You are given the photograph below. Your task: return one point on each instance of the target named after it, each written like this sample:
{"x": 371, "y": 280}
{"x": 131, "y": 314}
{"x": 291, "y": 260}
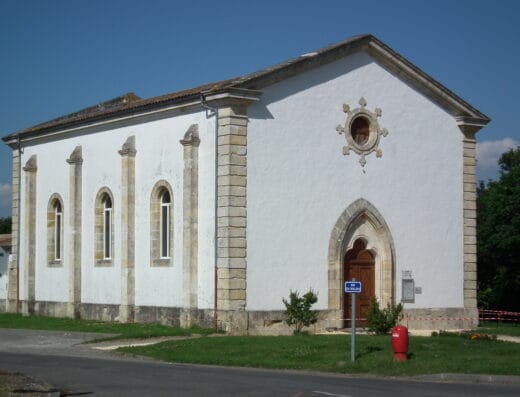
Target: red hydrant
{"x": 400, "y": 342}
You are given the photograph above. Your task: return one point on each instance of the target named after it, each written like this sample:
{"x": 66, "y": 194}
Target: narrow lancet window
{"x": 161, "y": 224}
{"x": 165, "y": 224}
{"x": 107, "y": 227}
{"x": 58, "y": 215}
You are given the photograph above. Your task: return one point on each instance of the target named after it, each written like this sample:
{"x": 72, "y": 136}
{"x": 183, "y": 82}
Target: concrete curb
{"x": 470, "y": 378}
{"x": 116, "y": 344}
{"x": 507, "y": 338}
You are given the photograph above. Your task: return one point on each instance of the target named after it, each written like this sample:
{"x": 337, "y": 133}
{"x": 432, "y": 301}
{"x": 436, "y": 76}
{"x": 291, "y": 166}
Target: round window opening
{"x": 360, "y": 130}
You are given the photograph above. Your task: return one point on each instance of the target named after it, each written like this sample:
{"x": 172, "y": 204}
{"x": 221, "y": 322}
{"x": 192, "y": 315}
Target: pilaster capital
{"x": 128, "y": 148}
{"x": 237, "y": 99}
{"x": 191, "y": 137}
{"x": 31, "y": 164}
{"x": 470, "y": 126}
{"x": 76, "y": 157}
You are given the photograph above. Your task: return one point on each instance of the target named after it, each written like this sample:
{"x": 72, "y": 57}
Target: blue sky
{"x": 60, "y": 56}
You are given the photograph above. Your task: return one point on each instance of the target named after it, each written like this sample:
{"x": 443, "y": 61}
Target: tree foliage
{"x": 5, "y": 225}
{"x": 498, "y": 236}
{"x": 298, "y": 310}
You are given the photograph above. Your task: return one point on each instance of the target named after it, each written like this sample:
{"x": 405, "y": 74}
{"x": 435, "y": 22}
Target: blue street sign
{"x": 352, "y": 287}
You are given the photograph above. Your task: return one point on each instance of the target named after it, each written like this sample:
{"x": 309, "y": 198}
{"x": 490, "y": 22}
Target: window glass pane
{"x": 57, "y": 242}
{"x": 107, "y": 201}
{"x": 107, "y": 234}
{"x": 164, "y": 231}
{"x": 166, "y": 197}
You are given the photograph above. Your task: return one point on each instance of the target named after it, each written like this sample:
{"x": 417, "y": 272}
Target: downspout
{"x": 214, "y": 112}
{"x": 18, "y": 220}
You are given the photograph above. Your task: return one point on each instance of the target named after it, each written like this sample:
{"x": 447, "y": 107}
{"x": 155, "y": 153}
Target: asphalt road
{"x": 79, "y": 370}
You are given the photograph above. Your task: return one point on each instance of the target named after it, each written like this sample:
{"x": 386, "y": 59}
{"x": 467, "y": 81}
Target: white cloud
{"x": 5, "y": 199}
{"x": 488, "y": 152}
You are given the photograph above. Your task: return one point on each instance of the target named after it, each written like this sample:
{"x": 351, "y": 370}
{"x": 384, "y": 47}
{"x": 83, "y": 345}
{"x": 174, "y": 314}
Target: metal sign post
{"x": 353, "y": 341}
{"x": 353, "y": 287}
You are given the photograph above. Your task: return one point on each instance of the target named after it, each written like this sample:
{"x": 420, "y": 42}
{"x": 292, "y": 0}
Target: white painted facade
{"x": 284, "y": 186}
{"x": 4, "y": 262}
{"x": 299, "y": 183}
{"x": 159, "y": 157}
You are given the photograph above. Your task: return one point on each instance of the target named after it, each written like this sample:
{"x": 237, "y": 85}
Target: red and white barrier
{"x": 484, "y": 315}
{"x": 499, "y": 315}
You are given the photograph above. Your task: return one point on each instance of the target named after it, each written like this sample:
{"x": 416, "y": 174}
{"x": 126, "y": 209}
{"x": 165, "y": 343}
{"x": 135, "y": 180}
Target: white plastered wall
{"x": 51, "y": 283}
{"x": 299, "y": 183}
{"x": 4, "y": 262}
{"x": 159, "y": 156}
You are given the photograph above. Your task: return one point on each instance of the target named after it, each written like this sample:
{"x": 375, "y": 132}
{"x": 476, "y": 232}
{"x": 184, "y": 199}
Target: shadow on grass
{"x": 367, "y": 350}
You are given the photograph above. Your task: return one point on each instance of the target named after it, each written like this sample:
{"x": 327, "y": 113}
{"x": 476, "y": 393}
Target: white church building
{"x": 207, "y": 206}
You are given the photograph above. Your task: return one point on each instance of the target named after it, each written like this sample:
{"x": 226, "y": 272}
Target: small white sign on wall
{"x": 408, "y": 294}
{"x": 408, "y": 287}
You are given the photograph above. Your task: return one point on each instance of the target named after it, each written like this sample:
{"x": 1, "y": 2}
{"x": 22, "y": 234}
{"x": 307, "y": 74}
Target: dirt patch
{"x": 17, "y": 384}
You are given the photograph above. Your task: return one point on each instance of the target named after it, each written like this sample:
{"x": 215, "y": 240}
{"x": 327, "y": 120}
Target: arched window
{"x": 104, "y": 228}
{"x": 55, "y": 231}
{"x": 161, "y": 225}
{"x": 107, "y": 227}
{"x": 165, "y": 224}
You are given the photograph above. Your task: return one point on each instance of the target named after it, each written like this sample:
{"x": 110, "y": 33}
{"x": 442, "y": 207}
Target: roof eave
{"x": 12, "y": 139}
{"x": 396, "y": 63}
{"x": 227, "y": 95}
{"x": 424, "y": 83}
{"x": 247, "y": 86}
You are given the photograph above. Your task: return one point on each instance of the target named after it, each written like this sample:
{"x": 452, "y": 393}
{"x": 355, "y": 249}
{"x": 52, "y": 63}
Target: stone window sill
{"x": 162, "y": 262}
{"x": 55, "y": 263}
{"x": 104, "y": 263}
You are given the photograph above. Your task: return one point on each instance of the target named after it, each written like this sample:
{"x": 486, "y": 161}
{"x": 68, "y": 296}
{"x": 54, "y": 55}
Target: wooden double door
{"x": 359, "y": 264}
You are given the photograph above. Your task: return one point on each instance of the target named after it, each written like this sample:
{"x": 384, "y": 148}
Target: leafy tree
{"x": 298, "y": 310}
{"x": 5, "y": 225}
{"x": 498, "y": 236}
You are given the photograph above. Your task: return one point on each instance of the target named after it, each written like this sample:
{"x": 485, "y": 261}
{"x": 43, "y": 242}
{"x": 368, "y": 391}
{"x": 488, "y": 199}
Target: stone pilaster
{"x": 30, "y": 235}
{"x": 75, "y": 198}
{"x": 12, "y": 281}
{"x": 470, "y": 219}
{"x": 469, "y": 128}
{"x": 231, "y": 218}
{"x": 126, "y": 308}
{"x": 190, "y": 201}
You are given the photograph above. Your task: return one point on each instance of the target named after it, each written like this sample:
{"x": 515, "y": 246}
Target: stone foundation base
{"x": 440, "y": 319}
{"x": 173, "y": 316}
{"x": 249, "y": 322}
{"x": 272, "y": 322}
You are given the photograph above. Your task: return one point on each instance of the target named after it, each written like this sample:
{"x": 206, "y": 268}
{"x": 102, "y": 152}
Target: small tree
{"x": 298, "y": 310}
{"x": 5, "y": 225}
{"x": 382, "y": 321}
{"x": 498, "y": 236}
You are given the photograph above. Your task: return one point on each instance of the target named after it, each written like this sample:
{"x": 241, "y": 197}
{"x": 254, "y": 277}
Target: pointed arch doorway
{"x": 360, "y": 221}
{"x": 359, "y": 264}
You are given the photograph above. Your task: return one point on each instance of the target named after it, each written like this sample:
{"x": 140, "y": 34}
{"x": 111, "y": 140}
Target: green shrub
{"x": 381, "y": 321}
{"x": 298, "y": 311}
{"x": 485, "y": 298}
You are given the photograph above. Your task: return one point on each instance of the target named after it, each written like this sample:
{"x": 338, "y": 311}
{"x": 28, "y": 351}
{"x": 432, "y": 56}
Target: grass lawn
{"x": 495, "y": 328}
{"x": 123, "y": 331}
{"x": 442, "y": 354}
